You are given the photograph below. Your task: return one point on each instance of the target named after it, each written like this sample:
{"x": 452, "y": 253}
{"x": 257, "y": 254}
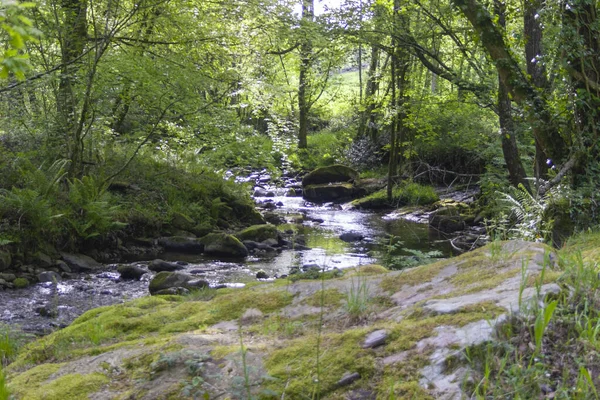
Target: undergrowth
{"x": 548, "y": 350}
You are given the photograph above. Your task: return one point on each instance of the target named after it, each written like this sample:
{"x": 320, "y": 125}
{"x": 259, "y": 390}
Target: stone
{"x": 251, "y": 315}
{"x": 259, "y": 193}
{"x": 80, "y": 262}
{"x": 330, "y": 174}
{"x": 5, "y": 260}
{"x": 258, "y": 233}
{"x": 447, "y": 220}
{"x": 350, "y": 237}
{"x": 49, "y": 276}
{"x": 274, "y": 219}
{"x": 174, "y": 281}
{"x": 7, "y": 277}
{"x": 270, "y": 242}
{"x": 159, "y": 265}
{"x": 182, "y": 244}
{"x": 131, "y": 272}
{"x": 47, "y": 311}
{"x": 374, "y": 339}
{"x": 348, "y": 378}
{"x": 262, "y": 275}
{"x": 43, "y": 260}
{"x": 223, "y": 245}
{"x": 61, "y": 265}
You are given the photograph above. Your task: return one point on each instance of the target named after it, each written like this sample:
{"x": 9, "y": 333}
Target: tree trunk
{"x": 303, "y": 78}
{"x": 74, "y": 37}
{"x": 532, "y": 28}
{"x": 516, "y": 172}
{"x": 519, "y": 86}
{"x": 367, "y": 118}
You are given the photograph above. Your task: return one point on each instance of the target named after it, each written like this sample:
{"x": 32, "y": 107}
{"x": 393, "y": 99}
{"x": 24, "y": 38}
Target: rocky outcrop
{"x": 419, "y": 321}
{"x": 172, "y": 282}
{"x": 223, "y": 245}
{"x": 450, "y": 217}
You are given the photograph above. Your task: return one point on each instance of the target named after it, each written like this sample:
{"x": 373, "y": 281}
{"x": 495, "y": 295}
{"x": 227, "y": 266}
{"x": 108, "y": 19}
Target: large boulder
{"x": 258, "y": 233}
{"x": 223, "y": 245}
{"x": 164, "y": 282}
{"x": 333, "y": 192}
{"x": 182, "y": 244}
{"x": 330, "y": 174}
{"x": 80, "y": 262}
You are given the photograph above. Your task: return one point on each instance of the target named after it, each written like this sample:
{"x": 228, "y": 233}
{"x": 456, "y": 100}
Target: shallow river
{"x": 70, "y": 298}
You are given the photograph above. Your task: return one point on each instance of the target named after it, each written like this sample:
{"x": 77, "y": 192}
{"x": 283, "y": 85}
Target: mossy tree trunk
{"x": 308, "y": 14}
{"x": 73, "y": 40}
{"x": 516, "y": 172}
{"x": 520, "y": 87}
{"x": 532, "y": 28}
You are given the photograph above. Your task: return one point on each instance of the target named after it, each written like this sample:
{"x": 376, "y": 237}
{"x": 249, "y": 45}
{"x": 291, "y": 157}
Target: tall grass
{"x": 549, "y": 349}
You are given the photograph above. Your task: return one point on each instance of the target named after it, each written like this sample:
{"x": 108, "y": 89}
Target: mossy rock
{"x": 258, "y": 233}
{"x": 335, "y": 192}
{"x": 330, "y": 174}
{"x": 174, "y": 280}
{"x": 223, "y": 245}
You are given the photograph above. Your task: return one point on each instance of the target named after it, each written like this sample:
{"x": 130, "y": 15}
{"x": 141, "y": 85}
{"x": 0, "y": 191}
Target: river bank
{"x": 313, "y": 233}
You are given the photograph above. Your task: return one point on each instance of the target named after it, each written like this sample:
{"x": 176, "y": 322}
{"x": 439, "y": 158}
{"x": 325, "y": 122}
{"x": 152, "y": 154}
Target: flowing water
{"x": 320, "y": 232}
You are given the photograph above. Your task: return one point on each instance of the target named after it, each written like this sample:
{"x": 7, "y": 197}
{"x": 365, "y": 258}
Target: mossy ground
{"x": 304, "y": 354}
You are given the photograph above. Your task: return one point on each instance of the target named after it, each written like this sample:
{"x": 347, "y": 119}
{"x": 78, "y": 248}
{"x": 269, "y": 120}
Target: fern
{"x": 528, "y": 212}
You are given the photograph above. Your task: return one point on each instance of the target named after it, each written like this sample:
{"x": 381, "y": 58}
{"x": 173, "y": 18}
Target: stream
{"x": 43, "y": 307}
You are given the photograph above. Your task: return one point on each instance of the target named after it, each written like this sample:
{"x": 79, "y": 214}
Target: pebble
{"x": 374, "y": 339}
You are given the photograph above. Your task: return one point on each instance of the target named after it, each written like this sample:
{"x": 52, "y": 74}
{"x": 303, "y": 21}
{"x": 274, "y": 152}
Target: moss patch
{"x": 327, "y": 298}
{"x": 413, "y": 276}
{"x": 370, "y": 269}
{"x": 72, "y": 386}
{"x": 295, "y": 365}
{"x": 135, "y": 321}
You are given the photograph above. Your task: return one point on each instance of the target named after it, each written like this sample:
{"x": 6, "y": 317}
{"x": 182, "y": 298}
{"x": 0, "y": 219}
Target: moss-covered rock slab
{"x": 331, "y": 174}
